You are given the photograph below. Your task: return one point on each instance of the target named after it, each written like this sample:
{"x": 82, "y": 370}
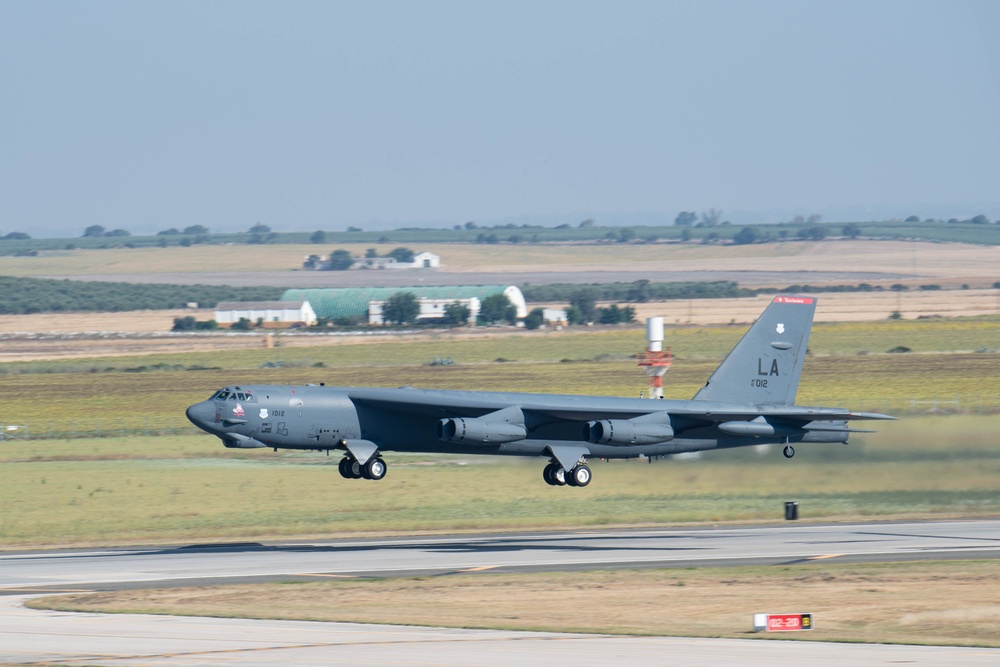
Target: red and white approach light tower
{"x": 655, "y": 359}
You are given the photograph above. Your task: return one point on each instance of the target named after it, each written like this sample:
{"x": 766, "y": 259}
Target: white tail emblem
{"x": 781, "y": 328}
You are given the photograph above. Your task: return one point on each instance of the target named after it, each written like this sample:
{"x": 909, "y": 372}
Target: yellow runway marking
{"x": 479, "y": 569}
{"x": 825, "y": 557}
{"x": 328, "y": 576}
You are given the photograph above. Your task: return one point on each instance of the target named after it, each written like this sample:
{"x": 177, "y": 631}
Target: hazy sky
{"x": 320, "y": 115}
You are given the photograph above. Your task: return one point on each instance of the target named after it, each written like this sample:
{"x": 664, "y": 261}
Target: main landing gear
{"x": 374, "y": 468}
{"x": 555, "y": 475}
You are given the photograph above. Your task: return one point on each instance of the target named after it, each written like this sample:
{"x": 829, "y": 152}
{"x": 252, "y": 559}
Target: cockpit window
{"x": 226, "y": 395}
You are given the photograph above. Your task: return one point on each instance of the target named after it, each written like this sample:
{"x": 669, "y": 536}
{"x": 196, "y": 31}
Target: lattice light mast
{"x": 655, "y": 359}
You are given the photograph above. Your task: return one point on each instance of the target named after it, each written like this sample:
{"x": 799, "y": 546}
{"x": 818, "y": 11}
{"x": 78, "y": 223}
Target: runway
{"x": 36, "y": 636}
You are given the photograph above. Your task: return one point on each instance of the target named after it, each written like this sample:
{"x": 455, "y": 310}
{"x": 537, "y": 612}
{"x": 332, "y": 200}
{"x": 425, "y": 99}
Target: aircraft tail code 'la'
{"x": 766, "y": 364}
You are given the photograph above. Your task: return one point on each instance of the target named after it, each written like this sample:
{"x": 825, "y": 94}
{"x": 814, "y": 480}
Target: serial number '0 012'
{"x": 758, "y": 382}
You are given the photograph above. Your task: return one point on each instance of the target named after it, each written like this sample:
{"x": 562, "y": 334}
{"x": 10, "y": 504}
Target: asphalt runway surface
{"x": 37, "y": 636}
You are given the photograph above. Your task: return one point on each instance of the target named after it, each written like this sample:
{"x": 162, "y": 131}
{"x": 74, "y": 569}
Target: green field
{"x": 176, "y": 489}
{"x": 122, "y": 485}
{"x": 846, "y": 367}
{"x": 520, "y": 236}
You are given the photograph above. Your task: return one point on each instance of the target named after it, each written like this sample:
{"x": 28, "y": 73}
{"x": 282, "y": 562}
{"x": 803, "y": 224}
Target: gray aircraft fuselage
{"x": 747, "y": 401}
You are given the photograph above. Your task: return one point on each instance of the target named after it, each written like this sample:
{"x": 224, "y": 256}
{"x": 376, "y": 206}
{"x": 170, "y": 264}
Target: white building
{"x": 430, "y": 309}
{"x": 553, "y": 316}
{"x": 425, "y": 260}
{"x": 272, "y": 313}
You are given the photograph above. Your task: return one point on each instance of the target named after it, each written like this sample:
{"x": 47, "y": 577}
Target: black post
{"x": 791, "y": 511}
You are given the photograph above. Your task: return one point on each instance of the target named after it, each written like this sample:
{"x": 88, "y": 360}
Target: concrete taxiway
{"x": 37, "y": 636}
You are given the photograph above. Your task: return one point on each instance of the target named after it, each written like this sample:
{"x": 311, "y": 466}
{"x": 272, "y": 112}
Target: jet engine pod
{"x": 473, "y": 431}
{"x": 626, "y": 432}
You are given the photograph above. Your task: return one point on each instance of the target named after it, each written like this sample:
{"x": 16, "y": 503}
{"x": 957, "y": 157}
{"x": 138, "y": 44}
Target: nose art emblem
{"x": 263, "y": 413}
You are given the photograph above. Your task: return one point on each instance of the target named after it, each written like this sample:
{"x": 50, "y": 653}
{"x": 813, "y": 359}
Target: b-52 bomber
{"x": 748, "y": 400}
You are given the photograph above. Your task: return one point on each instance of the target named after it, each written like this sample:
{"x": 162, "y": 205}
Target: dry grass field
{"x": 918, "y": 258}
{"x": 923, "y": 603}
{"x": 948, "y": 264}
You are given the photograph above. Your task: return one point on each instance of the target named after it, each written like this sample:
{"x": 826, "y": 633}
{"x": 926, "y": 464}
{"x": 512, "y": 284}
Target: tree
{"x": 586, "y": 224}
{"x": 173, "y": 231}
{"x": 196, "y": 229}
{"x": 371, "y": 253}
{"x": 639, "y": 291}
{"x": 745, "y": 236}
{"x": 260, "y": 228}
{"x": 340, "y": 260}
{"x": 585, "y": 300}
{"x": 117, "y": 232}
{"x": 686, "y": 218}
{"x": 402, "y": 255}
{"x": 817, "y": 233}
{"x": 711, "y": 217}
{"x": 243, "y": 324}
{"x": 615, "y": 315}
{"x": 497, "y": 308}
{"x": 626, "y": 235}
{"x": 535, "y": 319}
{"x": 17, "y": 236}
{"x": 319, "y": 236}
{"x": 686, "y": 234}
{"x": 456, "y": 313}
{"x": 93, "y": 230}
{"x": 471, "y": 225}
{"x": 980, "y": 220}
{"x": 814, "y": 219}
{"x": 851, "y": 230}
{"x": 401, "y": 307}
{"x": 183, "y": 323}
{"x": 912, "y": 218}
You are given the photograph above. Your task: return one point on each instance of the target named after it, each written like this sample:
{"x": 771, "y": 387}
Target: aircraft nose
{"x": 201, "y": 414}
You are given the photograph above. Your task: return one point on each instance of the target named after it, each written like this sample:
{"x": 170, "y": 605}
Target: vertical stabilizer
{"x": 765, "y": 365}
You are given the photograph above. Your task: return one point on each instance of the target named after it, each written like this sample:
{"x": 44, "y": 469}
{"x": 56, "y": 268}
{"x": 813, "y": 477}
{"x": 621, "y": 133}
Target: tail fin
{"x": 765, "y": 365}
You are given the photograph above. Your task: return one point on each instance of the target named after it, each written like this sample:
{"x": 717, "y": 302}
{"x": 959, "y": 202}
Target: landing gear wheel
{"x": 357, "y": 472}
{"x": 788, "y": 451}
{"x": 375, "y": 469}
{"x": 554, "y": 475}
{"x": 345, "y": 468}
{"x": 579, "y": 476}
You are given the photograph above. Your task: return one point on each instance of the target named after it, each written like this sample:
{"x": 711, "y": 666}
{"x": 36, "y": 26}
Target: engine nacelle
{"x": 626, "y": 432}
{"x": 475, "y": 431}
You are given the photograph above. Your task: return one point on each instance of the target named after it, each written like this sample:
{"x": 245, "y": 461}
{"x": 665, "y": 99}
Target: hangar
{"x": 355, "y": 302}
{"x": 273, "y": 314}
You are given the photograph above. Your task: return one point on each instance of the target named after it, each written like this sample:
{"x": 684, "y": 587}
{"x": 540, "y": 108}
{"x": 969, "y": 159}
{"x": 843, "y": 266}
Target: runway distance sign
{"x": 782, "y": 622}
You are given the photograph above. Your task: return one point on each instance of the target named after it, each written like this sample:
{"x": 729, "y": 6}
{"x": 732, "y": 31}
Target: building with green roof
{"x": 352, "y": 302}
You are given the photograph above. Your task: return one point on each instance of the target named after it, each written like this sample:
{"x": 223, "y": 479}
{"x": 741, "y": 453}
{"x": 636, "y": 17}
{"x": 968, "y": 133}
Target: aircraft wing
{"x": 535, "y": 410}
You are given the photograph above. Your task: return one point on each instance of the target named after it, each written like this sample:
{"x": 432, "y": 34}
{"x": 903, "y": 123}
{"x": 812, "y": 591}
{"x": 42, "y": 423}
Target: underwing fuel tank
{"x": 627, "y": 432}
{"x": 475, "y": 431}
